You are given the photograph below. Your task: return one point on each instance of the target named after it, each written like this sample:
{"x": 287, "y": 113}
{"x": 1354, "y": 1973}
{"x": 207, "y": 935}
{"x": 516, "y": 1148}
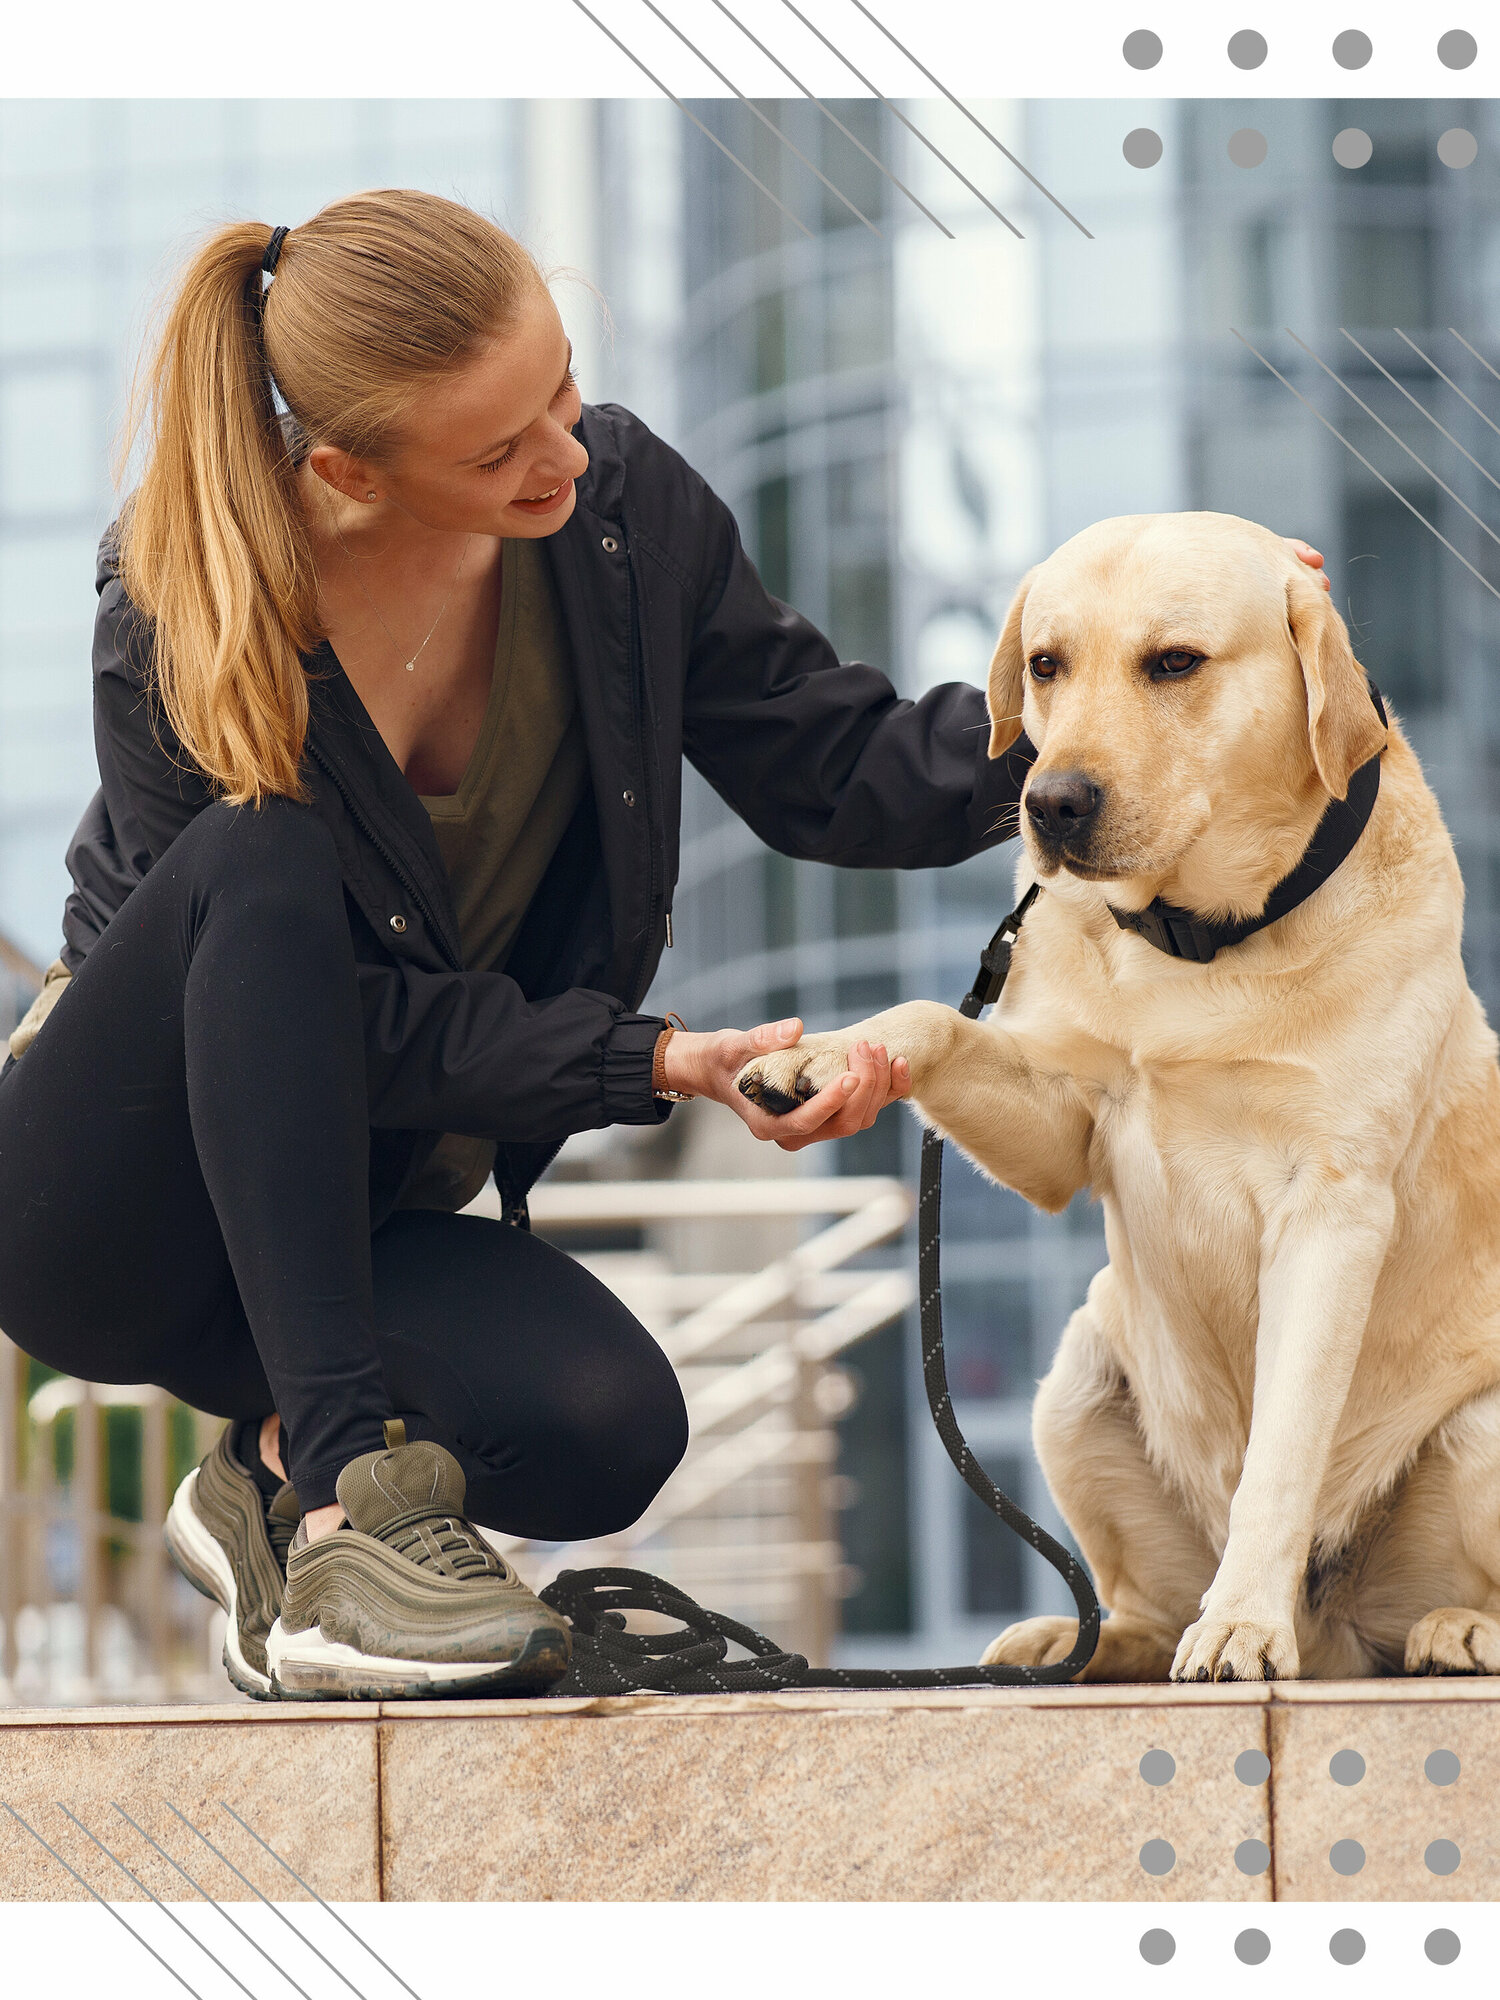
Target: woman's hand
{"x": 1309, "y": 555}
{"x": 707, "y": 1065}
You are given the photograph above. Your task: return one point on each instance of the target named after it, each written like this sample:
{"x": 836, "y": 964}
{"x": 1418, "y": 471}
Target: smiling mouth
{"x": 529, "y": 497}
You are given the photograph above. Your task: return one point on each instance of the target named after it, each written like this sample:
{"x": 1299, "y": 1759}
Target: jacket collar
{"x": 593, "y": 595}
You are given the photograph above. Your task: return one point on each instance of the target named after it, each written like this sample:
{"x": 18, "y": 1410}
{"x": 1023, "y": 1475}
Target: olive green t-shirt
{"x": 500, "y": 829}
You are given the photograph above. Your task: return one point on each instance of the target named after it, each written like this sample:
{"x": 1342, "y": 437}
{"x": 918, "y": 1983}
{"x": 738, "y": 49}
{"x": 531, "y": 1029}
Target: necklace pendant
{"x": 411, "y": 666}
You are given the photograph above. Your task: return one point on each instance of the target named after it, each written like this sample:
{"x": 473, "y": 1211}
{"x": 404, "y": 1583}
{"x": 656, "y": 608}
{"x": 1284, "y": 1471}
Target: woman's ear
{"x": 1007, "y": 681}
{"x": 345, "y": 474}
{"x": 1342, "y": 725}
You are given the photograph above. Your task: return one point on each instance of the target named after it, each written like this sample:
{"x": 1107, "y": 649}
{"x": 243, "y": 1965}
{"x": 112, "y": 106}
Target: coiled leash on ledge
{"x": 607, "y": 1659}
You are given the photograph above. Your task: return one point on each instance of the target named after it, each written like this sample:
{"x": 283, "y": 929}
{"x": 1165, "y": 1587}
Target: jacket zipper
{"x": 648, "y": 771}
{"x": 386, "y": 855}
{"x": 512, "y": 1201}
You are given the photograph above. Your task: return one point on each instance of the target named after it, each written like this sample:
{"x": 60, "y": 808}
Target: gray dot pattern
{"x": 1442, "y": 1947}
{"x": 1247, "y": 147}
{"x": 1346, "y": 1947}
{"x": 1157, "y": 1947}
{"x": 1158, "y": 1767}
{"x": 1442, "y": 1767}
{"x": 1247, "y": 49}
{"x": 1252, "y": 1857}
{"x": 1142, "y": 147}
{"x": 1442, "y": 1857}
{"x": 1347, "y": 1857}
{"x": 1352, "y": 148}
{"x": 1352, "y": 49}
{"x": 1457, "y": 49}
{"x": 1458, "y": 148}
{"x": 1141, "y": 49}
{"x": 1346, "y": 1767}
{"x": 1252, "y": 1947}
{"x": 1158, "y": 1857}
{"x": 1252, "y": 1767}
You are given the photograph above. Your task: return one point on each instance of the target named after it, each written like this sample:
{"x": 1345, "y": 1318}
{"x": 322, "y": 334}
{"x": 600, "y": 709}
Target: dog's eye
{"x": 1043, "y": 667}
{"x": 1178, "y": 661}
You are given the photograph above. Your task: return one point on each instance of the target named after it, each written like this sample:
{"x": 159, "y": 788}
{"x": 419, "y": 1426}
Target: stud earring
{"x": 371, "y": 494}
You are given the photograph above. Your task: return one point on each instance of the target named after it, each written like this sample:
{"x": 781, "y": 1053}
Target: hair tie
{"x": 273, "y": 250}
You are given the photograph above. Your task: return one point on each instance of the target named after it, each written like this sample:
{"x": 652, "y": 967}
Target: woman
{"x": 391, "y": 699}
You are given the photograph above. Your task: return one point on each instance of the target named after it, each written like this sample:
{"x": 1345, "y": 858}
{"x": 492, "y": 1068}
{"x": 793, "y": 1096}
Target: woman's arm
{"x": 823, "y": 759}
{"x": 446, "y": 1051}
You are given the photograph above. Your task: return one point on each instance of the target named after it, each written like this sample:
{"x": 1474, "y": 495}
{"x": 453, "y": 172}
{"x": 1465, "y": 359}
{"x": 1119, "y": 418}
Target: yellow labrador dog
{"x": 1274, "y": 1427}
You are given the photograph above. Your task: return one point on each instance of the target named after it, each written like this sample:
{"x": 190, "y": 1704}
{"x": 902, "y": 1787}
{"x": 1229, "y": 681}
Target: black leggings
{"x": 184, "y": 1200}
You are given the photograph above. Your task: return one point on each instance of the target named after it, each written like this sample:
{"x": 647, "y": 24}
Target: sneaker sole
{"x": 203, "y": 1562}
{"x": 307, "y": 1667}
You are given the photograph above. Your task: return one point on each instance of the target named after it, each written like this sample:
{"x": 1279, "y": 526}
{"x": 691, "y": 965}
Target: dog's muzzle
{"x": 1064, "y": 808}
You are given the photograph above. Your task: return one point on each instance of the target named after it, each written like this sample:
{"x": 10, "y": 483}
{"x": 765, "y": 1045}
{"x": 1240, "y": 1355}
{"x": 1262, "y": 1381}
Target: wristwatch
{"x": 659, "y": 1062}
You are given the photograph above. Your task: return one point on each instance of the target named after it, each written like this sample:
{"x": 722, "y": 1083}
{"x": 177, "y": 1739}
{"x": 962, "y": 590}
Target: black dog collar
{"x": 1180, "y": 934}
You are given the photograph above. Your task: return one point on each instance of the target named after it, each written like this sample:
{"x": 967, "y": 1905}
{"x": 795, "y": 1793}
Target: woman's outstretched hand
{"x": 707, "y": 1065}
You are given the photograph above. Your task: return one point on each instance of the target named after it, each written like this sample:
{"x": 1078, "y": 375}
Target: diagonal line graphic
{"x": 971, "y": 118}
{"x": 697, "y": 121}
{"x": 769, "y": 123}
{"x": 100, "y": 1900}
{"x": 168, "y": 1914}
{"x": 1365, "y": 462}
{"x": 1392, "y": 435}
{"x": 901, "y": 115}
{"x": 1474, "y": 351}
{"x": 212, "y": 1902}
{"x": 319, "y": 1900}
{"x": 1401, "y": 386}
{"x": 1443, "y": 378}
{"x": 268, "y": 1903}
{"x": 773, "y": 58}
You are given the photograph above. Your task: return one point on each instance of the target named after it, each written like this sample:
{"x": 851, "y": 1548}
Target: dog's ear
{"x": 1007, "y": 681}
{"x": 1342, "y": 725}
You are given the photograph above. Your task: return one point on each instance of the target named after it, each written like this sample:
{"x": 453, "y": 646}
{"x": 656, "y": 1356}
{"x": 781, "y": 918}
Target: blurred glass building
{"x": 904, "y": 417}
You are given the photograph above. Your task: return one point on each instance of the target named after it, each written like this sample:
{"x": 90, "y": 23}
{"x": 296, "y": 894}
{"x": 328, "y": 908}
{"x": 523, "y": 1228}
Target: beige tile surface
{"x": 307, "y": 1786}
{"x": 1394, "y": 1811}
{"x": 980, "y": 1800}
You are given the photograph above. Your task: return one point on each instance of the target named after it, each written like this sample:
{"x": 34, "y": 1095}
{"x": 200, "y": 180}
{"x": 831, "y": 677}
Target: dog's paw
{"x": 785, "y": 1078}
{"x": 1236, "y": 1649}
{"x": 1034, "y": 1642}
{"x": 1454, "y": 1641}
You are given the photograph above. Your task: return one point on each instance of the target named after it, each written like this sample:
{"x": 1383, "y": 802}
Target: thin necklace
{"x": 411, "y": 664}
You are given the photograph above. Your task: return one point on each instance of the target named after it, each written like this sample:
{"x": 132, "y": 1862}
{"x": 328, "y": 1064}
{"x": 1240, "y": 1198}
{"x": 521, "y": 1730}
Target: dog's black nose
{"x": 1063, "y": 806}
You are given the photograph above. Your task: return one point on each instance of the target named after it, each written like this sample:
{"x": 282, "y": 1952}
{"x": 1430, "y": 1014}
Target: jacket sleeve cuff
{"x": 625, "y": 1072}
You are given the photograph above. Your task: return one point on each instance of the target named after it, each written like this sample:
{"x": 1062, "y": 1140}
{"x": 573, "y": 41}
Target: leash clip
{"x": 994, "y": 960}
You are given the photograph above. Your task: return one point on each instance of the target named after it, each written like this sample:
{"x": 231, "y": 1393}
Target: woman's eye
{"x": 1178, "y": 661}
{"x": 570, "y": 381}
{"x": 1043, "y": 667}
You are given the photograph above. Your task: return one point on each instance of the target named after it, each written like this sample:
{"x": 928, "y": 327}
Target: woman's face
{"x": 478, "y": 448}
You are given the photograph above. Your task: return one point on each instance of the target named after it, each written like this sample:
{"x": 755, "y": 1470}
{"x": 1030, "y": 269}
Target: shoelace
{"x": 443, "y": 1542}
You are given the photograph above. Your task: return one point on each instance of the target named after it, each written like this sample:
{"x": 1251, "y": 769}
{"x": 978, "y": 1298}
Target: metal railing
{"x": 92, "y": 1611}
{"x": 748, "y": 1522}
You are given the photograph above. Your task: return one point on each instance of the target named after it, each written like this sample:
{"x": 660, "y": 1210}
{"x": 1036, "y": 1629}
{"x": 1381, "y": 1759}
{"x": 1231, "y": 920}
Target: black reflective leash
{"x": 693, "y": 1659}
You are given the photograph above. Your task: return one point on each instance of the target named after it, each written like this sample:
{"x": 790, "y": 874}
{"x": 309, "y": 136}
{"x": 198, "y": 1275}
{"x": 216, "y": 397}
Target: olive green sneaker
{"x": 407, "y": 1598}
{"x": 227, "y": 1544}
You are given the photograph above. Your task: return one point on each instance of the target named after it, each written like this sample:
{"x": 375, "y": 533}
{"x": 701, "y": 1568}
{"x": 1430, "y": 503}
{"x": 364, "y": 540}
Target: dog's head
{"x": 1194, "y": 702}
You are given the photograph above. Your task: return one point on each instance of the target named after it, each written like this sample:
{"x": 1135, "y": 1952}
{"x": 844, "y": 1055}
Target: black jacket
{"x": 678, "y": 649}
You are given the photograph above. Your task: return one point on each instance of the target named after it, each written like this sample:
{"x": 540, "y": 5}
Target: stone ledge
{"x": 1030, "y": 1794}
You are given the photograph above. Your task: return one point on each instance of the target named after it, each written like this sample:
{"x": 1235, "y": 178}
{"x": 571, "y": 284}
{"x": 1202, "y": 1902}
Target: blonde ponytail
{"x": 375, "y": 296}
